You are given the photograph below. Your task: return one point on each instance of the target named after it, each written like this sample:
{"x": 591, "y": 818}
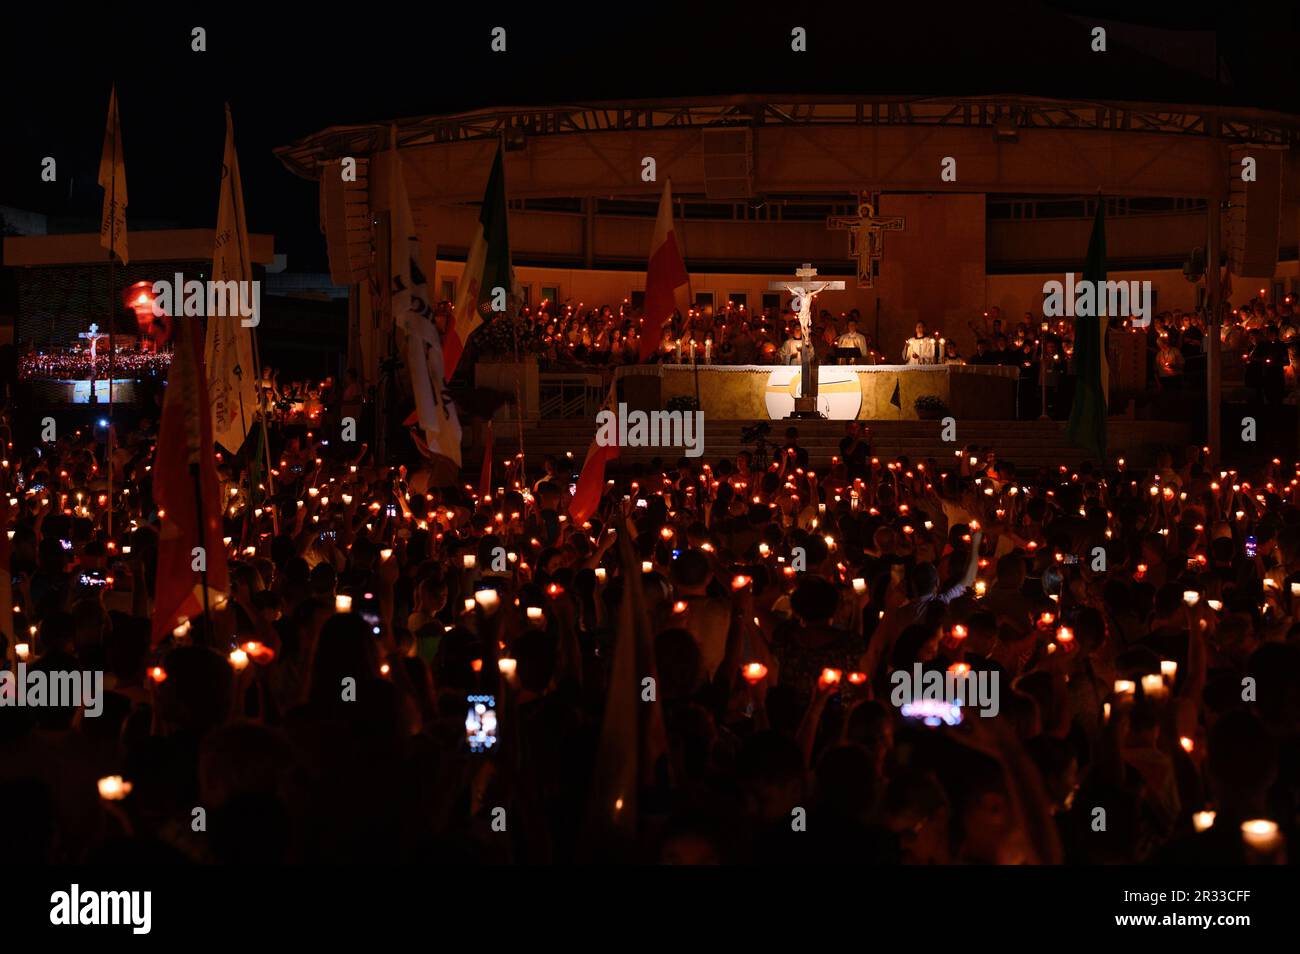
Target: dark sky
{"x": 288, "y": 74}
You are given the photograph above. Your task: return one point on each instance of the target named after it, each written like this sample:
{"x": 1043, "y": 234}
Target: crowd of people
{"x": 405, "y": 671}
{"x": 78, "y": 364}
{"x": 1259, "y": 342}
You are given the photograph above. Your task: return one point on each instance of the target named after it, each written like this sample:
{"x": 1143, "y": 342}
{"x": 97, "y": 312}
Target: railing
{"x": 569, "y": 396}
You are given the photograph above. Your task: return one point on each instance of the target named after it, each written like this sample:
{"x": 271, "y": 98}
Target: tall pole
{"x": 112, "y": 343}
{"x": 1214, "y": 307}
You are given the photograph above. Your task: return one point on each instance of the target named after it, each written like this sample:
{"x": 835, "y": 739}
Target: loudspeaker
{"x": 1255, "y": 216}
{"x": 728, "y": 162}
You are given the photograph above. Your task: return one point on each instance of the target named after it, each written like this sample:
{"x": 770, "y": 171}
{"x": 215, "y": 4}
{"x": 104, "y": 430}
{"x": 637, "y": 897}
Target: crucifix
{"x": 803, "y": 290}
{"x": 866, "y": 241}
{"x": 93, "y": 336}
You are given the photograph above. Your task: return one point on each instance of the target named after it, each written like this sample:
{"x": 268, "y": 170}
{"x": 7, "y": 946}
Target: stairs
{"x": 1026, "y": 443}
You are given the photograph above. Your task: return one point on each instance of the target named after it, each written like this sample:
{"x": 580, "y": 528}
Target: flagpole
{"x": 197, "y": 477}
{"x": 241, "y": 228}
{"x": 522, "y": 472}
{"x": 112, "y": 314}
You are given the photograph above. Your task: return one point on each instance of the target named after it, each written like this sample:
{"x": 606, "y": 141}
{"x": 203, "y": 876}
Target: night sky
{"x": 288, "y": 76}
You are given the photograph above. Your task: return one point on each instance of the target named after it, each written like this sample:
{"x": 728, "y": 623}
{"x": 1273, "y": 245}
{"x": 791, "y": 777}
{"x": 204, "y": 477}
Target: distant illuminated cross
{"x": 804, "y": 289}
{"x": 866, "y": 241}
{"x": 93, "y": 335}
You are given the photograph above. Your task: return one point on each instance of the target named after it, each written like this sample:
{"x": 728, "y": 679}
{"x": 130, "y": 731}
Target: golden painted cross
{"x": 866, "y": 243}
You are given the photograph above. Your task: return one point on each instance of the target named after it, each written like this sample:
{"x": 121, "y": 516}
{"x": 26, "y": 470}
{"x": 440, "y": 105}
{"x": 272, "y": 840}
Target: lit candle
{"x": 1168, "y": 669}
{"x": 343, "y": 603}
{"x": 754, "y": 672}
{"x": 1261, "y": 835}
{"x": 1153, "y": 686}
{"x": 534, "y": 612}
{"x": 112, "y": 788}
{"x": 859, "y": 586}
{"x": 470, "y": 561}
{"x": 1125, "y": 687}
{"x": 830, "y": 677}
{"x": 488, "y": 599}
{"x": 507, "y": 666}
{"x": 647, "y": 566}
{"x": 1203, "y": 821}
{"x": 238, "y": 659}
{"x": 1191, "y": 597}
{"x": 23, "y": 651}
{"x": 600, "y": 574}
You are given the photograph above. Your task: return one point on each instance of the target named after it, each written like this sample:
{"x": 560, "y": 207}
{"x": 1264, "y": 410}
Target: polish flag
{"x": 667, "y": 285}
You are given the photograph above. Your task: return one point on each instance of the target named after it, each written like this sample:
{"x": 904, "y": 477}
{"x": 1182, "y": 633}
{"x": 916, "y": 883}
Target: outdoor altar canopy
{"x": 845, "y": 392}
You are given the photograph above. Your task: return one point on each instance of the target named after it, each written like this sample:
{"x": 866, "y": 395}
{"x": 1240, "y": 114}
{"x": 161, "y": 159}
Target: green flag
{"x": 487, "y": 270}
{"x": 1087, "y": 426}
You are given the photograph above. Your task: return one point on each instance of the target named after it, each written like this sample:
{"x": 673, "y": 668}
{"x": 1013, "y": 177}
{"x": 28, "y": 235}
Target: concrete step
{"x": 1027, "y": 443}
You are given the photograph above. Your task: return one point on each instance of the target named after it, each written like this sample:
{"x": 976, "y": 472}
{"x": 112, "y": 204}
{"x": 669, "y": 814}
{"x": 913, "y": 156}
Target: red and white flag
{"x": 667, "y": 285}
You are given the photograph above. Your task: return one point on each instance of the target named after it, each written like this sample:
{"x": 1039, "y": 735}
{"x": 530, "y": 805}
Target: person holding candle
{"x": 921, "y": 348}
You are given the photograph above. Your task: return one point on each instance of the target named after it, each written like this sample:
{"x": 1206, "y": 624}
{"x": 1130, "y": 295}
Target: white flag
{"x": 228, "y": 348}
{"x": 413, "y": 315}
{"x": 112, "y": 179}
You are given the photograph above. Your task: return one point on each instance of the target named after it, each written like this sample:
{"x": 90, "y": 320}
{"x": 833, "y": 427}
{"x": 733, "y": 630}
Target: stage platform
{"x": 845, "y": 392}
{"x": 67, "y": 391}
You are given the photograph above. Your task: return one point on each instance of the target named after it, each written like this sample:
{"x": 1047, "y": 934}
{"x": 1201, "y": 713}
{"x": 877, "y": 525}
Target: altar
{"x": 845, "y": 392}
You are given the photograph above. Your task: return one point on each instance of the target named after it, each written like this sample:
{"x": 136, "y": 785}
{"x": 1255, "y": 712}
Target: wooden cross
{"x": 866, "y": 243}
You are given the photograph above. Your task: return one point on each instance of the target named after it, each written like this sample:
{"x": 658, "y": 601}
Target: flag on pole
{"x": 187, "y": 492}
{"x": 228, "y": 349}
{"x": 667, "y": 285}
{"x": 1087, "y": 425}
{"x": 487, "y": 268}
{"x": 112, "y": 178}
{"x": 413, "y": 316}
{"x": 631, "y": 757}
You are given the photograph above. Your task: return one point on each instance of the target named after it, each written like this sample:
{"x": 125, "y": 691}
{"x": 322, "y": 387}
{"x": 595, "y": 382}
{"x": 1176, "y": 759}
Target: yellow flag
{"x": 112, "y": 178}
{"x": 228, "y": 347}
